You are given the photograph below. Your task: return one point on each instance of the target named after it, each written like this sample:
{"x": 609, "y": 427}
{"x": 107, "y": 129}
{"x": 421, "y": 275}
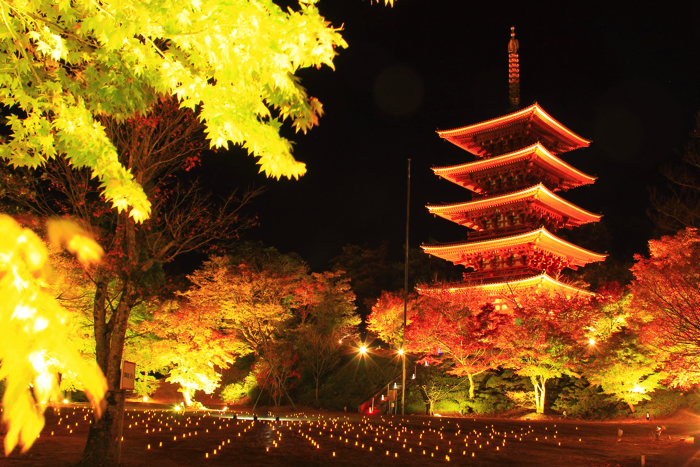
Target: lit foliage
{"x": 33, "y": 336}
{"x": 463, "y": 329}
{"x": 386, "y": 319}
{"x": 547, "y": 337}
{"x": 468, "y": 332}
{"x": 254, "y": 298}
{"x": 267, "y": 304}
{"x": 626, "y": 369}
{"x": 666, "y": 294}
{"x": 435, "y": 385}
{"x": 326, "y": 320}
{"x": 65, "y": 63}
{"x": 190, "y": 344}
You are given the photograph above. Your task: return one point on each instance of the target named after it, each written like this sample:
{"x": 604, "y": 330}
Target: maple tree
{"x": 34, "y": 342}
{"x": 666, "y": 294}
{"x": 155, "y": 148}
{"x": 234, "y": 61}
{"x": 386, "y": 318}
{"x": 189, "y": 345}
{"x": 325, "y": 321}
{"x": 267, "y": 304}
{"x": 465, "y": 328}
{"x": 435, "y": 386}
{"x": 255, "y": 293}
{"x": 468, "y": 330}
{"x": 547, "y": 336}
{"x": 626, "y": 369}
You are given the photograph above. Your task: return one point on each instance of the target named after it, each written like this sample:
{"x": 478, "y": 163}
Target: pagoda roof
{"x": 539, "y": 195}
{"x": 533, "y": 119}
{"x": 539, "y": 155}
{"x": 496, "y": 288}
{"x": 540, "y": 239}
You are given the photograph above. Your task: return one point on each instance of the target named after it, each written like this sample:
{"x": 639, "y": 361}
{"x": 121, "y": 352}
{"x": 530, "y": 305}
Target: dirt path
{"x": 166, "y": 438}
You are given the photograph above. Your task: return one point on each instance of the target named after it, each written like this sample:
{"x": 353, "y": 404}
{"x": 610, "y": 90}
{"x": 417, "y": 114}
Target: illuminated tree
{"x": 468, "y": 332}
{"x": 435, "y": 385}
{"x": 547, "y": 337}
{"x": 67, "y": 63}
{"x": 154, "y": 147}
{"x": 255, "y": 293}
{"x": 624, "y": 368}
{"x": 190, "y": 345}
{"x": 386, "y": 319}
{"x": 326, "y": 320}
{"x": 33, "y": 339}
{"x": 666, "y": 294}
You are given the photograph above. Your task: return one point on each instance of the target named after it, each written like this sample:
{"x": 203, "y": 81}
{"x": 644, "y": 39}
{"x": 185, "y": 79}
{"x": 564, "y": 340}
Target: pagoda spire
{"x": 513, "y": 71}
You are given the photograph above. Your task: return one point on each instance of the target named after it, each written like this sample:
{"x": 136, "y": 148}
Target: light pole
{"x": 405, "y": 296}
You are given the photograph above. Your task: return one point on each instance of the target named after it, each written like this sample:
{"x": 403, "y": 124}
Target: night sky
{"x": 625, "y": 77}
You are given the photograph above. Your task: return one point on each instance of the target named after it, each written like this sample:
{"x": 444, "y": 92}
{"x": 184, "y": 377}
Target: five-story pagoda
{"x": 515, "y": 209}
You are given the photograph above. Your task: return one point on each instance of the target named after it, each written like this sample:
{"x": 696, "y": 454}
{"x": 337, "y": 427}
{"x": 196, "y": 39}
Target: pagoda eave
{"x": 532, "y": 121}
{"x": 469, "y": 175}
{"x": 516, "y": 205}
{"x": 500, "y": 287}
{"x": 523, "y": 246}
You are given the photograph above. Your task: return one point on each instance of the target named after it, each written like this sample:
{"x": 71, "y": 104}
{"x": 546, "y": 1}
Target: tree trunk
{"x": 430, "y": 407}
{"x": 471, "y": 386}
{"x": 317, "y": 379}
{"x": 102, "y": 443}
{"x": 631, "y": 406}
{"x": 103, "y": 437}
{"x": 540, "y": 391}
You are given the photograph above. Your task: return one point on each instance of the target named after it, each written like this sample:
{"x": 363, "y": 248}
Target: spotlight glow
{"x": 363, "y": 349}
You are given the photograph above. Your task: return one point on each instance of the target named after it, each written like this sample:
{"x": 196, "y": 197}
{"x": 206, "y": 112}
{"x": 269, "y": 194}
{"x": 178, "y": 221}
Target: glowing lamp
{"x": 145, "y": 399}
{"x": 591, "y": 341}
{"x": 363, "y": 349}
{"x": 400, "y": 351}
{"x": 65, "y": 401}
{"x": 177, "y": 408}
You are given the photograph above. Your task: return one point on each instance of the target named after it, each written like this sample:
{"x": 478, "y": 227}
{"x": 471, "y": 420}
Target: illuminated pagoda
{"x": 515, "y": 208}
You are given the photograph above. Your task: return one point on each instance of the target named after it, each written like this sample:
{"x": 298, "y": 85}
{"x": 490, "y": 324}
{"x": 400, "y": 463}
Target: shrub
{"x": 236, "y": 391}
{"x": 581, "y": 400}
{"x": 665, "y": 402}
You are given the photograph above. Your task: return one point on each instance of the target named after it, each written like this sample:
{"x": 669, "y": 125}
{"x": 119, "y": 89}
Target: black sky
{"x": 624, "y": 75}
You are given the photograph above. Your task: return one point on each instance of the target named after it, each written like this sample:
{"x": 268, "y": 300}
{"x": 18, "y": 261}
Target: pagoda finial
{"x": 513, "y": 71}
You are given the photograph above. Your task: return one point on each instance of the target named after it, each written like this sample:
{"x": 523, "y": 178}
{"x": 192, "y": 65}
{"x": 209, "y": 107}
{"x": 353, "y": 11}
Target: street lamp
{"x": 400, "y": 351}
{"x": 363, "y": 350}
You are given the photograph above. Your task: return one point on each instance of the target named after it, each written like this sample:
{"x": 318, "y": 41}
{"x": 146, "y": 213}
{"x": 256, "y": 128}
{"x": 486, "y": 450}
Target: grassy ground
{"x": 161, "y": 437}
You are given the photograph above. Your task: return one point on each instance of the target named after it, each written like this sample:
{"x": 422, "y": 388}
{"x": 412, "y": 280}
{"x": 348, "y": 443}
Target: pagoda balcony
{"x": 500, "y": 232}
{"x": 513, "y": 273}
